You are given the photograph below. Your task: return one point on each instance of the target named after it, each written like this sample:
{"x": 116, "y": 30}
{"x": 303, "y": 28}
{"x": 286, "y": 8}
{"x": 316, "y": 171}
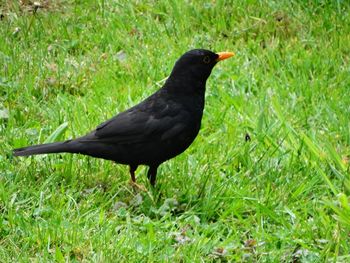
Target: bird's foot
{"x": 138, "y": 187}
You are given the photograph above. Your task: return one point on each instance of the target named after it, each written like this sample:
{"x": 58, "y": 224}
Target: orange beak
{"x": 224, "y": 55}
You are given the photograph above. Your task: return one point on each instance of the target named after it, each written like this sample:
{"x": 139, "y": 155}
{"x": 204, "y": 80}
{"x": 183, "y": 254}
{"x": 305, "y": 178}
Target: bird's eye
{"x": 206, "y": 59}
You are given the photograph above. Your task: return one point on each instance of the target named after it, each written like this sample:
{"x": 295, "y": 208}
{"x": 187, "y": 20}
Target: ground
{"x": 266, "y": 180}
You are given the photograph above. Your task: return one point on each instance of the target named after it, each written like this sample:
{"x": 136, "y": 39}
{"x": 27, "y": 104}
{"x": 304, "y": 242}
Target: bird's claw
{"x": 138, "y": 187}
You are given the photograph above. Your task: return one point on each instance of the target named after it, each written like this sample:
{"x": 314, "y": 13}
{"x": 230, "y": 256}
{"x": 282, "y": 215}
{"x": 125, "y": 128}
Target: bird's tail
{"x": 56, "y": 147}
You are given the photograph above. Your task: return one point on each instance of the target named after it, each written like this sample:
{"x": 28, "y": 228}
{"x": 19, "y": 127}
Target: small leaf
{"x": 137, "y": 200}
{"x": 220, "y": 252}
{"x": 4, "y": 113}
{"x": 182, "y": 238}
{"x": 121, "y": 56}
{"x": 16, "y": 31}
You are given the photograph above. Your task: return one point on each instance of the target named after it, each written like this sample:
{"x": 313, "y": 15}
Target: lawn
{"x": 266, "y": 180}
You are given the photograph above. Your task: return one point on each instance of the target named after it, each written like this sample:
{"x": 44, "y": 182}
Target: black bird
{"x": 155, "y": 130}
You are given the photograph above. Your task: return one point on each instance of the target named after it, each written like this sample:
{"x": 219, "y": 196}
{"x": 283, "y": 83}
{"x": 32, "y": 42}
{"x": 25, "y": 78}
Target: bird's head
{"x": 194, "y": 67}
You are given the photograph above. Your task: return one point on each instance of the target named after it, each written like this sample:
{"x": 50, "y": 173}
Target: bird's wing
{"x": 141, "y": 124}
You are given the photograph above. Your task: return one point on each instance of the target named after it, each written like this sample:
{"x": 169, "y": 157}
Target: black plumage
{"x": 155, "y": 130}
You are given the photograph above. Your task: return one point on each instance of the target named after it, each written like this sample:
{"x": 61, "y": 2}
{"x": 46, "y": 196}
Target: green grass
{"x": 283, "y": 196}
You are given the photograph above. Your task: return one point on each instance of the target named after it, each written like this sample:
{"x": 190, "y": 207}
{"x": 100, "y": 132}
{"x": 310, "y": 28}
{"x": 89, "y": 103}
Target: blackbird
{"x": 155, "y": 130}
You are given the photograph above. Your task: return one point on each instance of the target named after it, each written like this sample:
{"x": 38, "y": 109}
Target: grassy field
{"x": 282, "y": 196}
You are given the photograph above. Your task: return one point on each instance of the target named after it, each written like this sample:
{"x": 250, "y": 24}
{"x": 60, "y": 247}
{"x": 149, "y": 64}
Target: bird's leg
{"x": 152, "y": 174}
{"x": 133, "y": 179}
{"x": 132, "y": 173}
